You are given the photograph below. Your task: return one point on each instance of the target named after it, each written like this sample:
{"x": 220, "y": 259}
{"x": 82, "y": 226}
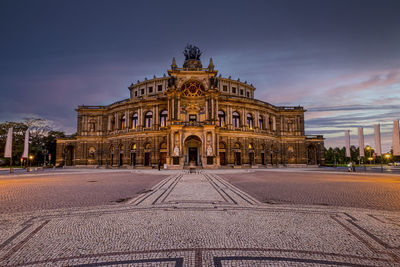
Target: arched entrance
{"x": 163, "y": 153}
{"x": 133, "y": 155}
{"x": 222, "y": 153}
{"x": 121, "y": 155}
{"x": 69, "y": 155}
{"x": 193, "y": 151}
{"x": 311, "y": 155}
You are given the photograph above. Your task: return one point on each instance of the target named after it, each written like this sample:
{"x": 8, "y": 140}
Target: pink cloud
{"x": 374, "y": 81}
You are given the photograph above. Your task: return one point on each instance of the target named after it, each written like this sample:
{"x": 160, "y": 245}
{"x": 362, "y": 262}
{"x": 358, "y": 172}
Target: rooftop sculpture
{"x": 192, "y": 52}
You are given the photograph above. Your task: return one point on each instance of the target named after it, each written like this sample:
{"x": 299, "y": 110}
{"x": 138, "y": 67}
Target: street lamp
{"x": 369, "y": 149}
{"x": 387, "y": 157}
{"x": 30, "y": 160}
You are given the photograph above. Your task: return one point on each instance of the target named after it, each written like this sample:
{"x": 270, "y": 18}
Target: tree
{"x": 42, "y": 139}
{"x": 19, "y": 129}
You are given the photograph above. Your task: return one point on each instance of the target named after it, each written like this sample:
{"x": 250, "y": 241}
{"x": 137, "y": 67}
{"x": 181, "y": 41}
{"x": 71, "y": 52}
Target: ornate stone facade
{"x": 192, "y": 117}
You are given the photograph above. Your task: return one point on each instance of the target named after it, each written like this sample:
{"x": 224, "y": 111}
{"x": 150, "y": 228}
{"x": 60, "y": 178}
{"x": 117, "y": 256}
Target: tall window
{"x": 113, "y": 128}
{"x": 221, "y": 118}
{"x": 149, "y": 119}
{"x": 163, "y": 118}
{"x": 261, "y": 122}
{"x": 235, "y": 119}
{"x": 134, "y": 121}
{"x": 270, "y": 124}
{"x": 250, "y": 121}
{"x": 123, "y": 120}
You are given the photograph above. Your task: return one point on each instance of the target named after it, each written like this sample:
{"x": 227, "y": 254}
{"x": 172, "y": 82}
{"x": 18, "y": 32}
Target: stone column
{"x": 229, "y": 119}
{"x": 140, "y": 116}
{"x": 243, "y": 118}
{"x": 126, "y": 119}
{"x": 178, "y": 115}
{"x": 206, "y": 108}
{"x": 156, "y": 116}
{"x": 116, "y": 121}
{"x": 173, "y": 108}
{"x": 212, "y": 108}
{"x": 256, "y": 119}
{"x": 216, "y": 109}
{"x": 109, "y": 123}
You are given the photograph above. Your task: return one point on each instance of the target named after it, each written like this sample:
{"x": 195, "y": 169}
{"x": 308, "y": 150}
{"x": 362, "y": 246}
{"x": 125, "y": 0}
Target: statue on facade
{"x": 214, "y": 82}
{"x": 171, "y": 81}
{"x": 209, "y": 151}
{"x": 176, "y": 151}
{"x": 192, "y": 52}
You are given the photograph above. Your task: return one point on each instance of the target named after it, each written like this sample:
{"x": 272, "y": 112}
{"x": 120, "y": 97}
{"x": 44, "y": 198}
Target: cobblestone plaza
{"x": 206, "y": 218}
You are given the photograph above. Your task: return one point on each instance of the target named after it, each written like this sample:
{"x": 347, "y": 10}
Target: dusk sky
{"x": 338, "y": 59}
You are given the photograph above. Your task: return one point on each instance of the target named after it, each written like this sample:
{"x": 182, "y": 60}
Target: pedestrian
{"x": 159, "y": 164}
{"x": 350, "y": 167}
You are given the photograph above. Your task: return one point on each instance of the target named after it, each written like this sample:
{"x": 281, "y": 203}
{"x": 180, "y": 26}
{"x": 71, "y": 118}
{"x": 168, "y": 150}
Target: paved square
{"x": 174, "y": 218}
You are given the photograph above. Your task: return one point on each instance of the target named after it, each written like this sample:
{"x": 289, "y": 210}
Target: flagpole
{"x": 8, "y": 148}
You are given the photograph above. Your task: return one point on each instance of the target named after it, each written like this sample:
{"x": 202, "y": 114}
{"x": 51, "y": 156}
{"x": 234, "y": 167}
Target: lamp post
{"x": 387, "y": 157}
{"x": 369, "y": 149}
{"x": 30, "y": 160}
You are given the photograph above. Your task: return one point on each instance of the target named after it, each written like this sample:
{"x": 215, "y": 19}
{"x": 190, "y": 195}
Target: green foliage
{"x": 42, "y": 140}
{"x": 338, "y": 156}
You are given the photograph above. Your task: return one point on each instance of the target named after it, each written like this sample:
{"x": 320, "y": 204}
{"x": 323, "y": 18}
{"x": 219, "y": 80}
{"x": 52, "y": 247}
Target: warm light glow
{"x": 368, "y": 148}
{"x": 31, "y": 157}
{"x": 387, "y": 156}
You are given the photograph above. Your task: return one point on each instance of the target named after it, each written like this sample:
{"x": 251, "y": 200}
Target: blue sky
{"x": 339, "y": 59}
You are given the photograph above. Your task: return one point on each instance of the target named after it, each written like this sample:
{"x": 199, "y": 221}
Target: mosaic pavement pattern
{"x": 199, "y": 219}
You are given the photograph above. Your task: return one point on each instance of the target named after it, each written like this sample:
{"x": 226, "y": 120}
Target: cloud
{"x": 373, "y": 82}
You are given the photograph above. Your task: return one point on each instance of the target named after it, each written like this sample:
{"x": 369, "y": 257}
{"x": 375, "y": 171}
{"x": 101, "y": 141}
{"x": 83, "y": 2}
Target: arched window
{"x": 251, "y": 146}
{"x": 221, "y": 118}
{"x": 250, "y": 121}
{"x": 149, "y": 119}
{"x": 270, "y": 124}
{"x": 163, "y": 145}
{"x": 123, "y": 121}
{"x": 147, "y": 146}
{"x": 113, "y": 128}
{"x": 133, "y": 147}
{"x": 163, "y": 118}
{"x": 235, "y": 119}
{"x": 261, "y": 122}
{"x": 134, "y": 121}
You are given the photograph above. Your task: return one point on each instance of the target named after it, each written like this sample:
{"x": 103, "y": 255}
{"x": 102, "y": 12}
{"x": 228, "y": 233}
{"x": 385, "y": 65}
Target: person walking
{"x": 159, "y": 164}
{"x": 350, "y": 167}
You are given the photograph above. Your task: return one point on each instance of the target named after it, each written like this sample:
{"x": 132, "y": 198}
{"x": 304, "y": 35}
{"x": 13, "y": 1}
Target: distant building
{"x": 191, "y": 117}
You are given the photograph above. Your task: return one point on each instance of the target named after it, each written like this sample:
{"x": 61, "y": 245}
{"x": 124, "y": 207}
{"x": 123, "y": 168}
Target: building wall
{"x": 193, "y": 99}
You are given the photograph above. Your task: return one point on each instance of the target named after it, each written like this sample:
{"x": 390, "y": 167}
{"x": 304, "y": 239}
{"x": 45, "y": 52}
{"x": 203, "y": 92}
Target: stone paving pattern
{"x": 375, "y": 191}
{"x": 71, "y": 189}
{"x": 199, "y": 220}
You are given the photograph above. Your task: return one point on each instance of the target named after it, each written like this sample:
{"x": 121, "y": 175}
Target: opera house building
{"x": 190, "y": 118}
